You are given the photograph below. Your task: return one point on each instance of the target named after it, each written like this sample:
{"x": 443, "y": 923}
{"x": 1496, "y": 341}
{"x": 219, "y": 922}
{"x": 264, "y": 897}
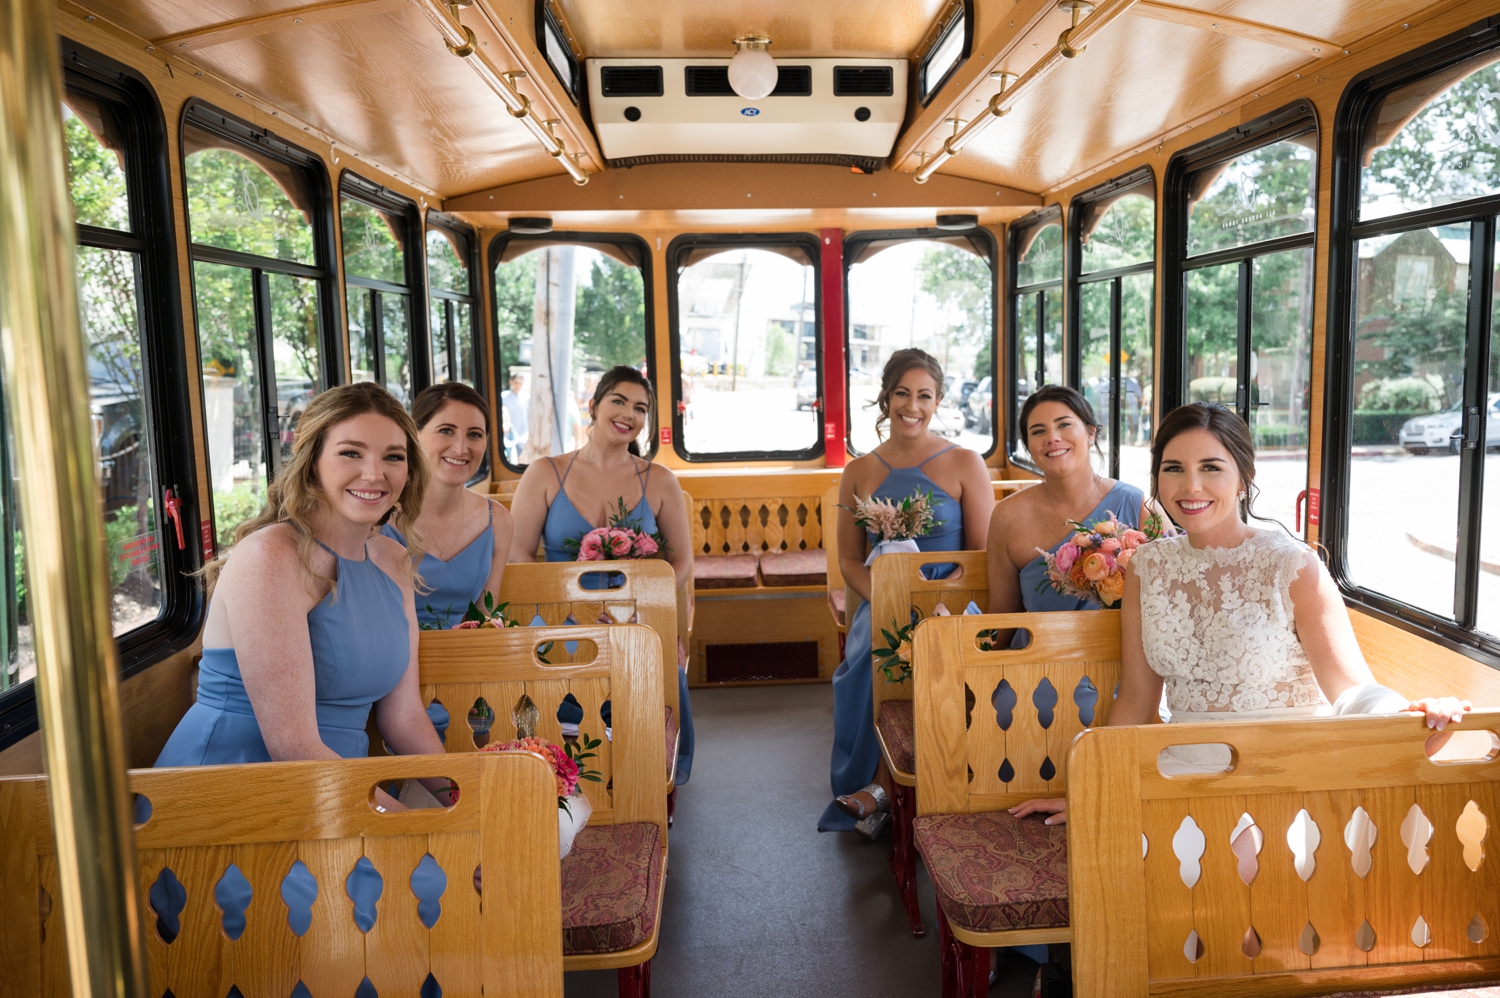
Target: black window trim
{"x": 852, "y": 242}
{"x": 1293, "y": 119}
{"x": 678, "y": 248}
{"x": 546, "y": 18}
{"x": 642, "y": 251}
{"x": 154, "y": 239}
{"x": 1052, "y": 214}
{"x": 353, "y": 187}
{"x": 1360, "y": 99}
{"x": 961, "y": 20}
{"x": 452, "y": 223}
{"x": 1138, "y": 179}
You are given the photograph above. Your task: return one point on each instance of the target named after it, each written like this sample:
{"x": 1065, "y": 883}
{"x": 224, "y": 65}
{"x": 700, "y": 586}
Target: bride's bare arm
{"x": 1140, "y": 687}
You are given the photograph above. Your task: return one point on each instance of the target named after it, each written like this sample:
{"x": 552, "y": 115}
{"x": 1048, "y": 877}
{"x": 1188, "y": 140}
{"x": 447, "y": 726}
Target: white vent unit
{"x": 686, "y": 108}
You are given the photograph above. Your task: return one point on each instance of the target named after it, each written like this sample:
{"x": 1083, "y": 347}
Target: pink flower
{"x": 1110, "y": 545}
{"x": 1097, "y": 565}
{"x": 1133, "y": 538}
{"x": 1123, "y": 558}
{"x": 1066, "y": 555}
{"x": 619, "y": 542}
{"x": 1083, "y": 540}
{"x": 645, "y": 547}
{"x": 591, "y": 548}
{"x": 468, "y": 625}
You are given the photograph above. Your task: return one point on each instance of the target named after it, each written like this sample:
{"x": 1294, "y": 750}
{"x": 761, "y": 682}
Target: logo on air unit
{"x": 749, "y": 112}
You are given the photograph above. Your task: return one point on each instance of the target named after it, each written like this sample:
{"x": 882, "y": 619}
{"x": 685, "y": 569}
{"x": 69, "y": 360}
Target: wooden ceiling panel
{"x": 1343, "y": 21}
{"x": 880, "y": 29}
{"x": 1135, "y": 82}
{"x": 156, "y": 19}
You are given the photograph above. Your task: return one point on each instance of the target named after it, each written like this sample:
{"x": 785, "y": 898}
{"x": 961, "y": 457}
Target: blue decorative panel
{"x": 364, "y": 887}
{"x": 299, "y": 889}
{"x": 233, "y": 895}
{"x": 168, "y": 898}
{"x": 428, "y": 882}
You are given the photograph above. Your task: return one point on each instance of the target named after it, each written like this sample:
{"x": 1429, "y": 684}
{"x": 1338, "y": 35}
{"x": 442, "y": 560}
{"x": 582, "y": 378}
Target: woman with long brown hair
{"x": 312, "y": 619}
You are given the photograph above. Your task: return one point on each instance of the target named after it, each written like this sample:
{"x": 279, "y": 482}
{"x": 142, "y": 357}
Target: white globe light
{"x": 752, "y": 73}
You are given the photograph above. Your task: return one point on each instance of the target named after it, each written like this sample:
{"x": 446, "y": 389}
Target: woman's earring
{"x": 396, "y": 507}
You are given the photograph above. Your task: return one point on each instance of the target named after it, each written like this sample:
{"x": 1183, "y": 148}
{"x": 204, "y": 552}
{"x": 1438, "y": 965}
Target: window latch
{"x": 817, "y": 404}
{"x": 1475, "y": 431}
{"x": 173, "y": 506}
{"x": 682, "y": 408}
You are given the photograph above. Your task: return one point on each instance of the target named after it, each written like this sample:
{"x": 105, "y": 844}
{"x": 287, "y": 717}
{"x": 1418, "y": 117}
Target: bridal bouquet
{"x": 896, "y": 525}
{"x": 1091, "y": 564}
{"x": 621, "y": 540}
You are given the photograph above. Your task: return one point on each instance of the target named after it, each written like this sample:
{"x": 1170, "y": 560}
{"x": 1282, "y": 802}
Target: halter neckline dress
{"x": 360, "y": 651}
{"x": 856, "y": 752}
{"x": 451, "y": 586}
{"x": 564, "y": 523}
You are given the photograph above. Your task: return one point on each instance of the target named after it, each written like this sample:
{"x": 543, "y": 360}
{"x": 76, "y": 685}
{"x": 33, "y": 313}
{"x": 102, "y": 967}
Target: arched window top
{"x": 1039, "y": 255}
{"x": 447, "y": 261}
{"x": 1118, "y": 232}
{"x": 1433, "y": 141}
{"x": 374, "y": 242}
{"x": 247, "y": 203}
{"x": 96, "y": 174}
{"x": 1262, "y": 194}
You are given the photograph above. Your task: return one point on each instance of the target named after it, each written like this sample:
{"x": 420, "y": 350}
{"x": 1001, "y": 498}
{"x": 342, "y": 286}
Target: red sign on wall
{"x": 208, "y": 540}
{"x": 666, "y": 434}
{"x": 1313, "y": 496}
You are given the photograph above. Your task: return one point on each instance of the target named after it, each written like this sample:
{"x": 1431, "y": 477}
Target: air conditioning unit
{"x": 822, "y": 109}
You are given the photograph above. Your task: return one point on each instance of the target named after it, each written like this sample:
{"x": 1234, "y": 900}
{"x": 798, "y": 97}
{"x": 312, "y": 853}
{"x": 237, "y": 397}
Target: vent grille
{"x": 631, "y": 81}
{"x": 774, "y": 661}
{"x": 713, "y": 81}
{"x": 865, "y": 164}
{"x": 863, "y": 81}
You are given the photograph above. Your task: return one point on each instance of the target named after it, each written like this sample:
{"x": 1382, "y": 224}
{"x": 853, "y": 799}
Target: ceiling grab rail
{"x": 1070, "y": 44}
{"x": 46, "y": 378}
{"x": 462, "y": 43}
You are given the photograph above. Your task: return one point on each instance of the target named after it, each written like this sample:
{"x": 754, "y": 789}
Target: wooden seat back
{"x": 648, "y": 593}
{"x": 1349, "y": 921}
{"x": 263, "y": 819}
{"x": 759, "y": 513}
{"x": 623, "y": 666}
{"x": 899, "y": 591}
{"x": 831, "y": 555}
{"x": 980, "y": 714}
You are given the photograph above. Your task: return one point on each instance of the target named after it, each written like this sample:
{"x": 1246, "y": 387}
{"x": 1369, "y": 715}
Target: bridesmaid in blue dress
{"x": 466, "y": 534}
{"x": 913, "y": 459}
{"x": 561, "y": 498}
{"x": 312, "y": 619}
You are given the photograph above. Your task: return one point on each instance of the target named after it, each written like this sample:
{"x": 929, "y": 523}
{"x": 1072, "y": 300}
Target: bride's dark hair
{"x": 1230, "y": 430}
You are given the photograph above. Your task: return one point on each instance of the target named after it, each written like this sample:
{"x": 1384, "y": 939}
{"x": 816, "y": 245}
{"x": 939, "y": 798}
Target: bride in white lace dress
{"x": 1236, "y": 622}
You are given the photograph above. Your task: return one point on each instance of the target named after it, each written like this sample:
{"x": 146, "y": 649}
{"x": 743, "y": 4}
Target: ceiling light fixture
{"x": 752, "y": 71}
{"x": 530, "y": 226}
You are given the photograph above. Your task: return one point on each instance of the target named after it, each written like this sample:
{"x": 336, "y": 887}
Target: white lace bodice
{"x": 1217, "y": 623}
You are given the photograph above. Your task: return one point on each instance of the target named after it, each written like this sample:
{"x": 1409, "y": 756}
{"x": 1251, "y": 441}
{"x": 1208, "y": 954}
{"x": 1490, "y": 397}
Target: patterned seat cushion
{"x": 795, "y": 568}
{"x": 724, "y": 571}
{"x": 993, "y": 872}
{"x": 610, "y": 883}
{"x": 836, "y": 598}
{"x": 898, "y": 730}
{"x": 1470, "y": 991}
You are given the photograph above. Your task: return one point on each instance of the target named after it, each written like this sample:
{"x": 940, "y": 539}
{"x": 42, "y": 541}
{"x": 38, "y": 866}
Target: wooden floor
{"x": 758, "y": 902}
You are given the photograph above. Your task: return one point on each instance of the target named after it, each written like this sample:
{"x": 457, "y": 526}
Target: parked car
{"x": 1444, "y": 430}
{"x": 948, "y": 421}
{"x": 807, "y": 389}
{"x": 981, "y": 407}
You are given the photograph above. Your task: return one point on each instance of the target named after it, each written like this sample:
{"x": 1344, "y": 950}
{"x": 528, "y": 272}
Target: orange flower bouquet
{"x": 1091, "y": 564}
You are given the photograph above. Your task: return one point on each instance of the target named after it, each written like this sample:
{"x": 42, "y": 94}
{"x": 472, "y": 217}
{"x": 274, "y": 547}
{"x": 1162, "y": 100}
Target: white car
{"x": 1440, "y": 431}
{"x": 948, "y": 421}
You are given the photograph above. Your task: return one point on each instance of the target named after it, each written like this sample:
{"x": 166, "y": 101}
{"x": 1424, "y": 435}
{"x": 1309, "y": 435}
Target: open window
{"x": 1412, "y": 514}
{"x": 1240, "y": 271}
{"x": 452, "y": 318}
{"x": 746, "y": 344}
{"x": 260, "y": 227}
{"x": 1112, "y": 346}
{"x": 931, "y": 289}
{"x": 568, "y": 306}
{"x": 1036, "y": 320}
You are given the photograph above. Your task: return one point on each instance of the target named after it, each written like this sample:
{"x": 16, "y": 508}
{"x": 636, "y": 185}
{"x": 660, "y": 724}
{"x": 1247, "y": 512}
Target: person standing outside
{"x": 514, "y": 406}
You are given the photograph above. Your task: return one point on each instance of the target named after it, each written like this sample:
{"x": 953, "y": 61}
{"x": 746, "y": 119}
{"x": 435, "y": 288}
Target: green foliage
{"x": 1405, "y": 395}
{"x": 584, "y": 748}
{"x": 962, "y": 283}
{"x": 95, "y": 179}
{"x": 120, "y": 527}
{"x": 895, "y": 658}
{"x": 234, "y": 204}
{"x": 1427, "y": 334}
{"x": 1125, "y": 235}
{"x": 781, "y": 352}
{"x": 18, "y": 551}
{"x": 235, "y": 507}
{"x": 1450, "y": 151}
{"x": 610, "y": 319}
{"x": 1263, "y": 194}
{"x": 515, "y": 307}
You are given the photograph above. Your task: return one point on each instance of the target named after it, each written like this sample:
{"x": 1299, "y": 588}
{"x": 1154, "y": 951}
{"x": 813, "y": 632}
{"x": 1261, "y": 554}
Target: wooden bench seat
{"x": 725, "y": 571}
{"x": 993, "y": 728}
{"x": 612, "y": 880}
{"x": 246, "y": 874}
{"x": 794, "y": 568}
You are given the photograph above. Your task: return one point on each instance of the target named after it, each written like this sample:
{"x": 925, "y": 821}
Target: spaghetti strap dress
{"x": 448, "y": 587}
{"x": 360, "y": 651}
{"x": 564, "y": 523}
{"x": 856, "y": 752}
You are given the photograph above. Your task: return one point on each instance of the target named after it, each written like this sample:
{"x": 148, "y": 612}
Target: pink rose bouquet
{"x": 1091, "y": 564}
{"x": 622, "y": 539}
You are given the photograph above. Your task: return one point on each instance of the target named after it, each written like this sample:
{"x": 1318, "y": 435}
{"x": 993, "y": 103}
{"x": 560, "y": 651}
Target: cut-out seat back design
{"x": 242, "y": 873}
{"x": 1332, "y": 856}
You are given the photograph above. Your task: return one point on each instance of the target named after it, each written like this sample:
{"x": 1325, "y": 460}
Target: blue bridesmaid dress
{"x": 360, "y": 650}
{"x": 856, "y": 752}
{"x": 565, "y": 523}
{"x": 450, "y": 587}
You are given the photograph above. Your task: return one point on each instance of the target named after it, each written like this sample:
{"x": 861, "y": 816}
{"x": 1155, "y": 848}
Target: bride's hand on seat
{"x": 1056, "y": 809}
{"x": 1441, "y": 711}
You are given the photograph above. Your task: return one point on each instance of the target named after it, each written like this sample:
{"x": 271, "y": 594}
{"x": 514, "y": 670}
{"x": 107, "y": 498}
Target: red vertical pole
{"x": 835, "y": 373}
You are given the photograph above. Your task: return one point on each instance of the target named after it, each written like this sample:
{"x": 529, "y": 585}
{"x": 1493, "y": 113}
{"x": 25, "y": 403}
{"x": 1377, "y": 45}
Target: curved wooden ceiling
{"x": 376, "y": 76}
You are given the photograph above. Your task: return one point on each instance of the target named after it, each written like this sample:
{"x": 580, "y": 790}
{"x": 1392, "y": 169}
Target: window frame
{"x": 676, "y": 250}
{"x": 852, "y": 241}
{"x": 1140, "y": 178}
{"x": 170, "y": 428}
{"x": 1360, "y": 99}
{"x": 453, "y": 224}
{"x": 642, "y": 250}
{"x": 1015, "y": 442}
{"x": 353, "y": 187}
{"x": 547, "y": 19}
{"x": 962, "y": 19}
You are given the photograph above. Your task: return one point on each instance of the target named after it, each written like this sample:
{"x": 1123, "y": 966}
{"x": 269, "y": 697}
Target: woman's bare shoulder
{"x": 391, "y": 557}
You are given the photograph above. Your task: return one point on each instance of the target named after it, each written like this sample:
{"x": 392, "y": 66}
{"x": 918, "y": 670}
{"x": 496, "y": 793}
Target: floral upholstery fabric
{"x": 724, "y": 571}
{"x": 993, "y": 872}
{"x": 897, "y": 727}
{"x": 610, "y": 883}
{"x": 795, "y": 568}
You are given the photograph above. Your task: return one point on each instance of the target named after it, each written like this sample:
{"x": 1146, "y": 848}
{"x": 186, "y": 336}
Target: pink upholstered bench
{"x": 724, "y": 571}
{"x": 611, "y": 888}
{"x": 794, "y": 568}
{"x": 898, "y": 729}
